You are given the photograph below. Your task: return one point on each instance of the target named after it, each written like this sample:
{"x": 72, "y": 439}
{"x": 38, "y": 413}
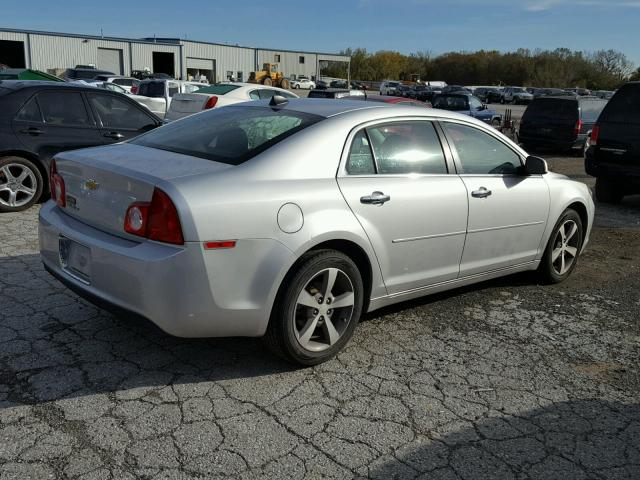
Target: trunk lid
{"x": 188, "y": 103}
{"x": 550, "y": 119}
{"x": 101, "y": 183}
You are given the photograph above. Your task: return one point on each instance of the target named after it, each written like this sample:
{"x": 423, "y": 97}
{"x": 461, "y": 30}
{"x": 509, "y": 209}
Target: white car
{"x": 220, "y": 95}
{"x": 303, "y": 83}
{"x": 156, "y": 94}
{"x": 389, "y": 88}
{"x": 128, "y": 83}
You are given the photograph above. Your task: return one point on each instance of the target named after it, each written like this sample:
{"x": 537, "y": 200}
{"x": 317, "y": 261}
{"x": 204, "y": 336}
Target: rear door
{"x": 507, "y": 211}
{"x": 396, "y": 180}
{"x": 53, "y": 121}
{"x": 119, "y": 118}
{"x": 619, "y": 138}
{"x": 551, "y": 120}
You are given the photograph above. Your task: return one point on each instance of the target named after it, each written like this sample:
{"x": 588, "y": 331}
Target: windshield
{"x": 230, "y": 135}
{"x": 220, "y": 89}
{"x": 451, "y": 102}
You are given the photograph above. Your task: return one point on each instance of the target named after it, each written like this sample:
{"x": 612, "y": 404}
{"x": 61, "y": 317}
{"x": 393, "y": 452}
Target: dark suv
{"x": 613, "y": 156}
{"x": 83, "y": 73}
{"x": 561, "y": 123}
{"x": 40, "y": 119}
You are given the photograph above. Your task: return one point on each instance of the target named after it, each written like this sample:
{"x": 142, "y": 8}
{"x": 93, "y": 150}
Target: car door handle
{"x": 115, "y": 135}
{"x": 32, "y": 131}
{"x": 482, "y": 193}
{"x": 376, "y": 198}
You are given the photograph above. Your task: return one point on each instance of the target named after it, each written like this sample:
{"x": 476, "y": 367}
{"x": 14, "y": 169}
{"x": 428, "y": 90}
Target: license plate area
{"x": 75, "y": 259}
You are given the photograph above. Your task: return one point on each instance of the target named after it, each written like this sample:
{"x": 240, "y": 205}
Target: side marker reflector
{"x": 219, "y": 244}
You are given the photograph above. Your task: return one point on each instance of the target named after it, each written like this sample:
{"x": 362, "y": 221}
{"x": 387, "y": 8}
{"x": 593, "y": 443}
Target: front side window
{"x": 116, "y": 113}
{"x": 30, "y": 112}
{"x": 480, "y": 153}
{"x": 475, "y": 104}
{"x": 407, "y": 147}
{"x": 63, "y": 109}
{"x": 230, "y": 135}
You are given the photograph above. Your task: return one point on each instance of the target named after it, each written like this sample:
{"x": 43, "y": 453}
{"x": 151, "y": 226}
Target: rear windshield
{"x": 221, "y": 89}
{"x": 152, "y": 89}
{"x": 624, "y": 107}
{"x": 591, "y": 109}
{"x": 552, "y": 109}
{"x": 321, "y": 94}
{"x": 230, "y": 135}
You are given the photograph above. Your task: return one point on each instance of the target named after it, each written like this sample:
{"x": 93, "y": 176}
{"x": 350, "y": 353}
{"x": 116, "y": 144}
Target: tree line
{"x": 560, "y": 68}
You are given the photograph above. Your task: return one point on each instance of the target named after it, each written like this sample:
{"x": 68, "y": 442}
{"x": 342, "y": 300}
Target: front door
{"x": 396, "y": 180}
{"x": 508, "y": 211}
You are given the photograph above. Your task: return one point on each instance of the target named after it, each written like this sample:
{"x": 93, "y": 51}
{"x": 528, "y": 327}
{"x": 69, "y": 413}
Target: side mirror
{"x": 535, "y": 166}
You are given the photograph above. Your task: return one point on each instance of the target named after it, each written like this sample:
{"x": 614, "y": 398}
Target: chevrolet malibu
{"x": 291, "y": 219}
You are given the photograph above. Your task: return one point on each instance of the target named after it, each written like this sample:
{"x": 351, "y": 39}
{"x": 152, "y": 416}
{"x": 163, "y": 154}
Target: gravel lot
{"x": 504, "y": 380}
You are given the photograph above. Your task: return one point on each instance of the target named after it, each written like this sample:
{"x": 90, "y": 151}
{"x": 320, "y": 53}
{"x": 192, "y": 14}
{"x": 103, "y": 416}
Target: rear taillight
{"x": 211, "y": 103}
{"x": 56, "y": 185}
{"x": 156, "y": 220}
{"x": 595, "y": 134}
{"x": 134, "y": 89}
{"x": 578, "y": 128}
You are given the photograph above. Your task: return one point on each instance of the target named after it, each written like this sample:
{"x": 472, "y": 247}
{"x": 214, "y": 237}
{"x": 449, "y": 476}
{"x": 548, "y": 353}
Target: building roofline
{"x": 161, "y": 41}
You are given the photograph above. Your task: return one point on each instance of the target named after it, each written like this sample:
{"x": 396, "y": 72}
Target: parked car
{"x": 561, "y": 123}
{"x": 392, "y": 100}
{"x": 606, "y": 94}
{"x": 302, "y": 82}
{"x": 422, "y": 93}
{"x": 455, "y": 88}
{"x": 335, "y": 93}
{"x": 39, "y": 119}
{"x": 613, "y": 153}
{"x": 467, "y": 104}
{"x": 389, "y": 88}
{"x": 156, "y": 94}
{"x": 108, "y": 86}
{"x": 402, "y": 90}
{"x": 552, "y": 92}
{"x": 321, "y": 85}
{"x": 130, "y": 84}
{"x": 581, "y": 92}
{"x": 220, "y": 95}
{"x": 488, "y": 94}
{"x": 516, "y": 95}
{"x": 83, "y": 73}
{"x": 146, "y": 75}
{"x": 320, "y": 234}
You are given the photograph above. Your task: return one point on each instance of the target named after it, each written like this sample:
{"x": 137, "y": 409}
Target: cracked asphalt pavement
{"x": 503, "y": 380}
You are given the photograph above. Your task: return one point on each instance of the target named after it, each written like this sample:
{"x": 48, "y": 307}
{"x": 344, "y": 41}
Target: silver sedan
{"x": 291, "y": 219}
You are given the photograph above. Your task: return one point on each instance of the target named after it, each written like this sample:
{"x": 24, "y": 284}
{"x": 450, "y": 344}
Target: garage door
{"x": 199, "y": 63}
{"x": 110, "y": 59}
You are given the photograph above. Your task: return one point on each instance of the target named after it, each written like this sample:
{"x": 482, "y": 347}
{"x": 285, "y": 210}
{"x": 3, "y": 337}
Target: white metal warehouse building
{"x": 53, "y": 52}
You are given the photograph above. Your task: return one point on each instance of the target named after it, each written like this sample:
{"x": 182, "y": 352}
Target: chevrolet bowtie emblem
{"x": 91, "y": 184}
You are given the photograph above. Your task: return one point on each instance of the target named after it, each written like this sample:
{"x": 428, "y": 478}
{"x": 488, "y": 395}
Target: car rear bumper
{"x": 185, "y": 290}
{"x": 547, "y": 142}
{"x": 629, "y": 174}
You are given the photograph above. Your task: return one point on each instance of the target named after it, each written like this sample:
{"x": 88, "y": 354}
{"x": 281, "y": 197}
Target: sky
{"x": 329, "y": 26}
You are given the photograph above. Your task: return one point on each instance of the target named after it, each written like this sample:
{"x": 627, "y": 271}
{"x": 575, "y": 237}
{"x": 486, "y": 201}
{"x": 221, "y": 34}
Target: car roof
{"x": 20, "y": 84}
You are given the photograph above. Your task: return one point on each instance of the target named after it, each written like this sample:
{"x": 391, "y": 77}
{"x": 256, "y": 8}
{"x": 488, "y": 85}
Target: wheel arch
{"x": 581, "y": 210}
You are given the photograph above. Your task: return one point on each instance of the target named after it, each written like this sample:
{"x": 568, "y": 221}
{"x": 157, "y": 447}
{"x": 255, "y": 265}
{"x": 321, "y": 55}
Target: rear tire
{"x": 285, "y": 84}
{"x": 21, "y": 184}
{"x": 608, "y": 191}
{"x": 304, "y": 328}
{"x": 267, "y": 82}
{"x": 297, "y": 87}
{"x": 563, "y": 248}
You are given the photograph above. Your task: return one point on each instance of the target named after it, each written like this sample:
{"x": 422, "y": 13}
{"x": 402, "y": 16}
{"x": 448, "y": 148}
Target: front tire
{"x": 564, "y": 246}
{"x": 317, "y": 309}
{"x": 608, "y": 191}
{"x": 21, "y": 184}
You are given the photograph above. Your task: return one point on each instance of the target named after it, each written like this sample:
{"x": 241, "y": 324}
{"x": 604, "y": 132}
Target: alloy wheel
{"x": 324, "y": 309}
{"x": 565, "y": 247}
{"x": 18, "y": 185}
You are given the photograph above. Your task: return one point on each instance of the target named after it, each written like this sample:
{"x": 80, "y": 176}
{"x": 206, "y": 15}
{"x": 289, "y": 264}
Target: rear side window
{"x": 30, "y": 112}
{"x": 63, "y": 109}
{"x": 552, "y": 109}
{"x": 624, "y": 107}
{"x": 229, "y": 135}
{"x": 360, "y": 161}
{"x": 116, "y": 113}
{"x": 126, "y": 82}
{"x": 407, "y": 147}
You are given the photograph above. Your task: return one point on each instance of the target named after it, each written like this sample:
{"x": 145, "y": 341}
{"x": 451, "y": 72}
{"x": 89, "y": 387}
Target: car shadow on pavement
{"x": 55, "y": 345}
{"x": 565, "y": 440}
